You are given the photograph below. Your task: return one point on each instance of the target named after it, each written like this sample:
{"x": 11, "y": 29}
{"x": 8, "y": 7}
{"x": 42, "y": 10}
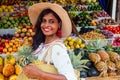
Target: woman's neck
{"x": 50, "y": 39}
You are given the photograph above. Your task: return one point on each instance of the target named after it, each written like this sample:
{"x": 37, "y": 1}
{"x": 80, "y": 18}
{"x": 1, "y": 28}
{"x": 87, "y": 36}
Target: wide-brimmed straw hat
{"x": 35, "y": 10}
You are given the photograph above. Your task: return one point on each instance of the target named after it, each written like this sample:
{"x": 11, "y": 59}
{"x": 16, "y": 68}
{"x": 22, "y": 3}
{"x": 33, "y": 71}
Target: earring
{"x": 59, "y": 32}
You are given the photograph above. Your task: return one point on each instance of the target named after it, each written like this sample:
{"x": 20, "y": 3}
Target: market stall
{"x": 94, "y": 45}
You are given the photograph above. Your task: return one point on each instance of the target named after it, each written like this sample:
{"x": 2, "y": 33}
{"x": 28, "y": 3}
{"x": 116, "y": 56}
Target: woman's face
{"x": 49, "y": 25}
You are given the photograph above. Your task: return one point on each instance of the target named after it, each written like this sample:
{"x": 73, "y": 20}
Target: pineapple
{"x": 114, "y": 57}
{"x": 112, "y": 73}
{"x": 94, "y": 57}
{"x": 111, "y": 66}
{"x": 102, "y": 67}
{"x": 26, "y": 55}
{"x": 78, "y": 64}
{"x": 103, "y": 54}
{"x": 117, "y": 65}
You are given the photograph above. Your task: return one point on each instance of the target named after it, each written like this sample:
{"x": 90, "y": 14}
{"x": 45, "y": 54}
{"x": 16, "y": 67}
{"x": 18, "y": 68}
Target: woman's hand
{"x": 32, "y": 71}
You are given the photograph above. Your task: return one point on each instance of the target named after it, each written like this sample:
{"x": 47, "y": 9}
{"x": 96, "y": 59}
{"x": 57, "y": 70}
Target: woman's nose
{"x": 47, "y": 24}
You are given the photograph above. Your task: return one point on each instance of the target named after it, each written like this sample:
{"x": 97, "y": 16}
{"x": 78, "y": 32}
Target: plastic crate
{"x": 7, "y": 31}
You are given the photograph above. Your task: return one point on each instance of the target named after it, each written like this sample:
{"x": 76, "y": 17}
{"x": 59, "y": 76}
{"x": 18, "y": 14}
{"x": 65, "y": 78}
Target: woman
{"x": 48, "y": 19}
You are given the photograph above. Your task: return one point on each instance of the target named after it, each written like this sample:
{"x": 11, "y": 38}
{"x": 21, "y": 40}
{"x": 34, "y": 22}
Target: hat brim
{"x": 35, "y": 10}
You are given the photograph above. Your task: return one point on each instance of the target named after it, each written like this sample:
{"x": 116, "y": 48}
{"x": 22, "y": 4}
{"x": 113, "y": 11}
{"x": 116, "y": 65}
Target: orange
{"x": 4, "y": 50}
{"x": 12, "y": 41}
{"x": 11, "y": 44}
{"x": 9, "y": 49}
{"x": 7, "y": 45}
{"x": 14, "y": 49}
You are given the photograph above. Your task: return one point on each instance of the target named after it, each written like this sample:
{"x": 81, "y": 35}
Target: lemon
{"x": 79, "y": 41}
{"x": 71, "y": 43}
{"x": 65, "y": 43}
{"x": 72, "y": 47}
{"x": 77, "y": 46}
{"x": 69, "y": 38}
{"x": 82, "y": 45}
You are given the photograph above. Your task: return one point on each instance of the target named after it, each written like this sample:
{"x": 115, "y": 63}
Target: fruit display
{"x": 107, "y": 21}
{"x": 5, "y": 8}
{"x": 10, "y": 2}
{"x": 8, "y": 22}
{"x": 116, "y": 41}
{"x": 12, "y": 46}
{"x": 107, "y": 63}
{"x": 73, "y": 43}
{"x": 93, "y": 35}
{"x": 93, "y": 53}
{"x": 112, "y": 28}
{"x": 94, "y": 7}
{"x": 8, "y": 69}
{"x": 25, "y": 33}
{"x": 99, "y": 14}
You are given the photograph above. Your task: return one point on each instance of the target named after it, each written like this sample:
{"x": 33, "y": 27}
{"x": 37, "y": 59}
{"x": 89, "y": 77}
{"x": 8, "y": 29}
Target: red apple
{"x": 30, "y": 30}
{"x": 28, "y": 27}
{"x": 6, "y": 40}
{"x": 1, "y": 48}
{"x": 17, "y": 35}
{"x": 22, "y": 35}
{"x": 28, "y": 34}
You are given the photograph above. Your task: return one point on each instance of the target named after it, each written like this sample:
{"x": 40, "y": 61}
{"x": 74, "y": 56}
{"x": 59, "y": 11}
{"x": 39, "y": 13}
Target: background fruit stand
{"x": 95, "y": 52}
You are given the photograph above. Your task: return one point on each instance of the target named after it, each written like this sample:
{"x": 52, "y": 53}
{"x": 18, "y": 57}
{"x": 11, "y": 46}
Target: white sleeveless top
{"x": 59, "y": 58}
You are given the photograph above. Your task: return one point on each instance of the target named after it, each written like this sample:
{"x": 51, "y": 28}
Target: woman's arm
{"x": 32, "y": 71}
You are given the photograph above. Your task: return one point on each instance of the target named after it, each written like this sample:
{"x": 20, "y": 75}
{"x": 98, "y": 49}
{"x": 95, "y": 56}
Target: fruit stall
{"x": 94, "y": 45}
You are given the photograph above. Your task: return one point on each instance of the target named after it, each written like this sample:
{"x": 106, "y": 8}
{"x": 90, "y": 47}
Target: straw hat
{"x": 36, "y": 9}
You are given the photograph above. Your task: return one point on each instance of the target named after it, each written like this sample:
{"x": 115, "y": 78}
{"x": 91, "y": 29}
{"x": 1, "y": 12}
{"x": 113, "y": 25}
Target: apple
{"x": 22, "y": 35}
{"x": 28, "y": 27}
{"x": 3, "y": 45}
{"x": 32, "y": 33}
{"x": 20, "y": 27}
{"x": 1, "y": 48}
{"x": 18, "y": 31}
{"x": 6, "y": 41}
{"x": 24, "y": 30}
{"x": 30, "y": 30}
{"x": 2, "y": 41}
{"x": 17, "y": 35}
{"x": 28, "y": 34}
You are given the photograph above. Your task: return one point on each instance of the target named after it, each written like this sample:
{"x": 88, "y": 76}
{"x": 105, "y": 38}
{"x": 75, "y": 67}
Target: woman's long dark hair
{"x": 39, "y": 37}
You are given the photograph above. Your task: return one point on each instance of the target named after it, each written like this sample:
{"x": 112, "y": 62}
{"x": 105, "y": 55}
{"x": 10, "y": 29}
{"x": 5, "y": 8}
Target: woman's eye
{"x": 51, "y": 21}
{"x": 43, "y": 21}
